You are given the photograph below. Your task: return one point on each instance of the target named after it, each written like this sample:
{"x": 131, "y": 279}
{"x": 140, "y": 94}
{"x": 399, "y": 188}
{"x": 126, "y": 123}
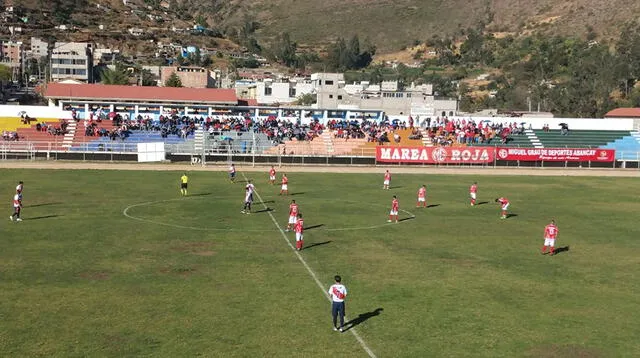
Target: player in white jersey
{"x": 248, "y": 197}
{"x": 337, "y": 293}
{"x": 19, "y": 187}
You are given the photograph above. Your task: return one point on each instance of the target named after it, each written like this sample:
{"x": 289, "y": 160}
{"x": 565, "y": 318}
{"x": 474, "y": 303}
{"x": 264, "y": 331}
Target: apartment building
{"x": 72, "y": 60}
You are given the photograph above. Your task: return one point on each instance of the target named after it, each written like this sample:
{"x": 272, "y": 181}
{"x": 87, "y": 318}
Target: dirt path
{"x": 322, "y": 169}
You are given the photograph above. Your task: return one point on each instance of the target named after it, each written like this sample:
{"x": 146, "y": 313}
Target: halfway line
{"x": 313, "y": 274}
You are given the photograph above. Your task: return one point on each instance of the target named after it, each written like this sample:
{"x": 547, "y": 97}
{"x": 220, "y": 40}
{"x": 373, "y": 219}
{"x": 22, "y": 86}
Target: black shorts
{"x": 183, "y": 185}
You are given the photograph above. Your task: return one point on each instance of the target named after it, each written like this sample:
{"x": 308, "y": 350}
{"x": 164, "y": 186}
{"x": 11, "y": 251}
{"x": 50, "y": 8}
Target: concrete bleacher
{"x": 627, "y": 147}
{"x": 579, "y": 138}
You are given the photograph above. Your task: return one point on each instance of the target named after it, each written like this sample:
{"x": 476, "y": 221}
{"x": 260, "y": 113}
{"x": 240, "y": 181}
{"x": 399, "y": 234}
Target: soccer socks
{"x": 544, "y": 249}
{"x": 551, "y": 250}
{"x": 299, "y": 244}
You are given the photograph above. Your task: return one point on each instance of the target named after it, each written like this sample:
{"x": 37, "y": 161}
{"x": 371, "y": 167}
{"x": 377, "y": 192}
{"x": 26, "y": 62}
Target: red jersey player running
{"x": 285, "y": 185}
{"x": 422, "y": 197}
{"x": 272, "y": 175}
{"x": 393, "y": 214}
{"x": 550, "y": 234}
{"x": 473, "y": 190}
{"x": 299, "y": 229}
{"x": 293, "y": 214}
{"x": 505, "y": 206}
{"x": 387, "y": 180}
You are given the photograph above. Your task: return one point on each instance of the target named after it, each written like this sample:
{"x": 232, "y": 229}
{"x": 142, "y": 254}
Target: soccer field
{"x": 118, "y": 264}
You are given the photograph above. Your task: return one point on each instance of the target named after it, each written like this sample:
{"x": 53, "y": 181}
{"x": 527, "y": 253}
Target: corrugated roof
{"x": 140, "y": 93}
{"x": 624, "y": 113}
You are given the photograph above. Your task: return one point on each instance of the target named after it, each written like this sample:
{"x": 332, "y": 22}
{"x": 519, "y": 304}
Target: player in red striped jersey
{"x": 285, "y": 185}
{"x": 395, "y": 206}
{"x": 422, "y": 197}
{"x": 272, "y": 175}
{"x": 299, "y": 229}
{"x": 550, "y": 234}
{"x": 293, "y": 215}
{"x": 473, "y": 190}
{"x": 387, "y": 180}
{"x": 504, "y": 203}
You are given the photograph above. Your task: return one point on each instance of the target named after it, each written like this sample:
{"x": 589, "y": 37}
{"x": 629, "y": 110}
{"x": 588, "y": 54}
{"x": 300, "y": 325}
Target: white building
{"x": 285, "y": 91}
{"x": 39, "y": 48}
{"x": 333, "y": 92}
{"x": 72, "y": 60}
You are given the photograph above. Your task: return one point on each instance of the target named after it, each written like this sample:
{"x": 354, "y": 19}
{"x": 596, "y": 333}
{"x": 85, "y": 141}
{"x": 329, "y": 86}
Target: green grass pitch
{"x": 187, "y": 277}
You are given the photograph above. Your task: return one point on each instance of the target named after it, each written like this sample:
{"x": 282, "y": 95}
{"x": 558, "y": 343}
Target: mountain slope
{"x": 392, "y": 24}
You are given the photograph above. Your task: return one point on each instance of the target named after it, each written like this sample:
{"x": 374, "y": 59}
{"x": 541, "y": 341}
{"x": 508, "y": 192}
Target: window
{"x": 339, "y": 97}
{"x": 292, "y": 92}
{"x": 328, "y": 83}
{"x": 408, "y": 95}
{"x": 268, "y": 91}
{"x": 320, "y": 82}
{"x": 330, "y": 96}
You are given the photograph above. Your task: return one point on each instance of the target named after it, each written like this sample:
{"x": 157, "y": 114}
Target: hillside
{"x": 393, "y": 24}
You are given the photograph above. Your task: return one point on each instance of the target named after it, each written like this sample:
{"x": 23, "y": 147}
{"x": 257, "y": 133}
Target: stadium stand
{"x": 579, "y": 138}
{"x": 627, "y": 147}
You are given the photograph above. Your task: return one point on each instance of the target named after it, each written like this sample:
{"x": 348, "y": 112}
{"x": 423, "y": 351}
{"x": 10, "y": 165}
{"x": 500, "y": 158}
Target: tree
{"x": 350, "y": 56}
{"x": 173, "y": 81}
{"x": 284, "y": 50}
{"x": 306, "y": 99}
{"x": 118, "y": 76}
{"x": 5, "y": 73}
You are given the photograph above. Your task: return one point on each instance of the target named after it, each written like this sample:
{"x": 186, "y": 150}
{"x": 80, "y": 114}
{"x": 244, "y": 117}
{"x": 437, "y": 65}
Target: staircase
{"x": 533, "y": 138}
{"x": 198, "y": 144}
{"x": 327, "y": 138}
{"x": 67, "y": 140}
{"x": 426, "y": 140}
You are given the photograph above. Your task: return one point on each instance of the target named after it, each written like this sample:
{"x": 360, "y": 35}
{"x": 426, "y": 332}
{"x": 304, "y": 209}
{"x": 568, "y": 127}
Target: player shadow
{"x": 482, "y": 203}
{"x": 405, "y": 219}
{"x": 363, "y": 317}
{"x": 200, "y": 194}
{"x": 561, "y": 249}
{"x": 395, "y": 187}
{"x": 511, "y": 215}
{"x": 316, "y": 244}
{"x": 39, "y": 205}
{"x": 42, "y": 217}
{"x": 264, "y": 211}
{"x": 266, "y": 202}
{"x": 433, "y": 206}
{"x": 314, "y": 227}
{"x": 293, "y": 194}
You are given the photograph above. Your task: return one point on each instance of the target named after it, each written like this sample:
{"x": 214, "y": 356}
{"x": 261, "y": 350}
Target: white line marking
{"x": 125, "y": 212}
{"x": 313, "y": 274}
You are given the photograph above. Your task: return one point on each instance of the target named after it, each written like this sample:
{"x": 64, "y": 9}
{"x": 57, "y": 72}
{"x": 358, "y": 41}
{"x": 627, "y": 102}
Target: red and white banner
{"x": 431, "y": 155}
{"x": 556, "y": 154}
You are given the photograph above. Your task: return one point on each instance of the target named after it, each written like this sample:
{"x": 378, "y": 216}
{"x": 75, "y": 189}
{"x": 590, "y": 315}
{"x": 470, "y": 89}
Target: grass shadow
{"x": 264, "y": 210}
{"x": 317, "y": 244}
{"x": 200, "y": 194}
{"x": 561, "y": 250}
{"x": 314, "y": 227}
{"x": 42, "y": 217}
{"x": 43, "y": 204}
{"x": 433, "y": 206}
{"x": 363, "y": 317}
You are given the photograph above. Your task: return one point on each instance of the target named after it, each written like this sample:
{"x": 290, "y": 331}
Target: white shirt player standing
{"x": 248, "y": 197}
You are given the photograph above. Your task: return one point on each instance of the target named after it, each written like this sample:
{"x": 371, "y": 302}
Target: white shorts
{"x": 292, "y": 219}
{"x": 393, "y": 212}
{"x": 473, "y": 196}
{"x": 284, "y": 187}
{"x": 299, "y": 236}
{"x": 272, "y": 178}
{"x": 422, "y": 200}
{"x": 549, "y": 242}
{"x": 248, "y": 198}
{"x": 386, "y": 182}
{"x": 505, "y": 207}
